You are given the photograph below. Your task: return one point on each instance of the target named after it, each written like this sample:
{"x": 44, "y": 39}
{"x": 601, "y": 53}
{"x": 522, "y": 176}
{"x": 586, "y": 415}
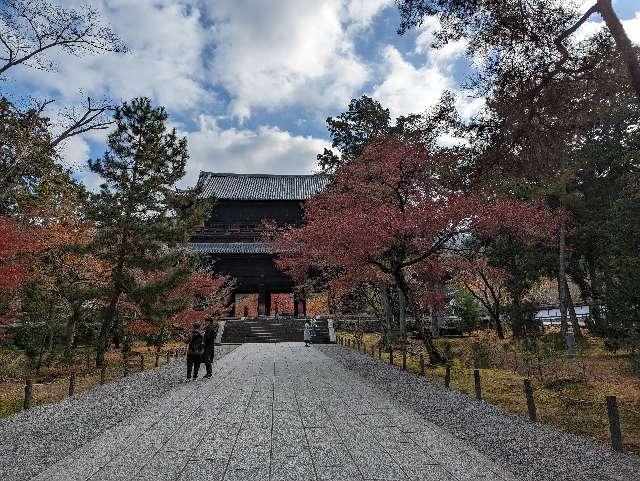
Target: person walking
{"x": 195, "y": 352}
{"x": 209, "y": 345}
{"x": 314, "y": 329}
{"x": 307, "y": 333}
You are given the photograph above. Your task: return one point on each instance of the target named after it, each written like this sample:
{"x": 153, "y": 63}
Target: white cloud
{"x": 166, "y": 41}
{"x": 426, "y": 37}
{"x": 293, "y": 52}
{"x": 74, "y": 153}
{"x": 632, "y": 27}
{"x": 266, "y": 150}
{"x": 408, "y": 89}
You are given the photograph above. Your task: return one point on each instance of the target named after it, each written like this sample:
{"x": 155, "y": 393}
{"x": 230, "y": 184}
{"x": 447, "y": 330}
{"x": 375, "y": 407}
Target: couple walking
{"x": 201, "y": 349}
{"x": 310, "y": 331}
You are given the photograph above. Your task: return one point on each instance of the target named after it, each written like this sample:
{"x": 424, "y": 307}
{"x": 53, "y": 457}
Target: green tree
{"x": 139, "y": 212}
{"x": 367, "y": 119}
{"x": 467, "y": 309}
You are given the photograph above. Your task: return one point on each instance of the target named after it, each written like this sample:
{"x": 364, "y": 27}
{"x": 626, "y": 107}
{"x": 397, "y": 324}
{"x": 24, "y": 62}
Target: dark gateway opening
{"x": 232, "y": 237}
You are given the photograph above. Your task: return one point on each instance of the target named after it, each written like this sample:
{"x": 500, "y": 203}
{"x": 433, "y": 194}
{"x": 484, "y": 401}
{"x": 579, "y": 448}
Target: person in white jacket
{"x": 307, "y": 333}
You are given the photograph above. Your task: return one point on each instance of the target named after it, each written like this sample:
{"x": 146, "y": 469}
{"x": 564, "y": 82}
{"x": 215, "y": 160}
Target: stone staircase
{"x": 271, "y": 330}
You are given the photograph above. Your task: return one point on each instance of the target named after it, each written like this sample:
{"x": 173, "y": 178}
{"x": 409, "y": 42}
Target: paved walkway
{"x": 275, "y": 412}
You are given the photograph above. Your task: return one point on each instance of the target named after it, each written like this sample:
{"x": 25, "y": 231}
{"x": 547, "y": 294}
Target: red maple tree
{"x": 204, "y": 295}
{"x": 392, "y": 216}
{"x": 15, "y": 241}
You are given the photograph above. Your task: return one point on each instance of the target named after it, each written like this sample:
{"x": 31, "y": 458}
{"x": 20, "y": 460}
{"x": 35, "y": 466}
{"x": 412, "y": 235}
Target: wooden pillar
{"x": 267, "y": 303}
{"x": 262, "y": 301}
{"x": 299, "y": 305}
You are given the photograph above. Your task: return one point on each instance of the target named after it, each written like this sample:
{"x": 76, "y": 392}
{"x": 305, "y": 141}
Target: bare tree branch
{"x": 30, "y": 30}
{"x": 91, "y": 117}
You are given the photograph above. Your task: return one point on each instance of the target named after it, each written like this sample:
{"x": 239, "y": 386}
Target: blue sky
{"x": 251, "y": 82}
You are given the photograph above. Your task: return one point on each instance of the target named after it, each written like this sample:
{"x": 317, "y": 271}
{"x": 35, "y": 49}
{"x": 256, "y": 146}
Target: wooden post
{"x": 141, "y": 362}
{"x": 157, "y": 359}
{"x": 103, "y": 372}
{"x": 447, "y": 376}
{"x": 422, "y": 364}
{"x": 373, "y": 351}
{"x": 125, "y": 366}
{"x": 72, "y": 384}
{"x": 391, "y": 356}
{"x": 28, "y": 394}
{"x": 404, "y": 360}
{"x": 614, "y": 423}
{"x": 476, "y": 381}
{"x": 531, "y": 404}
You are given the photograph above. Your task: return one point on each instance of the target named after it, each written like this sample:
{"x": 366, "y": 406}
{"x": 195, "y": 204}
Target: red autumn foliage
{"x": 282, "y": 304}
{"x": 318, "y": 304}
{"x": 246, "y": 305}
{"x": 15, "y": 242}
{"x": 390, "y": 212}
{"x": 142, "y": 328}
{"x": 205, "y": 295}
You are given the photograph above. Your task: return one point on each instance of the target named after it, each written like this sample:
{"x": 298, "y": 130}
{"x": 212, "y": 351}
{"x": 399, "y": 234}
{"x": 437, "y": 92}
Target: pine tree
{"x": 139, "y": 213}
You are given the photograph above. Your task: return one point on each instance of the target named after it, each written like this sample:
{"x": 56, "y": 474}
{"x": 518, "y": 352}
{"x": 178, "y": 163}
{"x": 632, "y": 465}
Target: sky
{"x": 250, "y": 83}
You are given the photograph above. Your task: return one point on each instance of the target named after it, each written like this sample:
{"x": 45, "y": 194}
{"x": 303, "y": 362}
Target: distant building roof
{"x": 229, "y": 247}
{"x": 261, "y": 186}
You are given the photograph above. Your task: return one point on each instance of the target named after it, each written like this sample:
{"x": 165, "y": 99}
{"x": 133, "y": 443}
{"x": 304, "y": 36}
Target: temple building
{"x": 232, "y": 237}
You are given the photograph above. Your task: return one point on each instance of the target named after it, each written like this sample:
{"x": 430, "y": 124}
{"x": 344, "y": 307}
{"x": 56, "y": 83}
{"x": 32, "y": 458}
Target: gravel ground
{"x": 535, "y": 452}
{"x": 31, "y": 441}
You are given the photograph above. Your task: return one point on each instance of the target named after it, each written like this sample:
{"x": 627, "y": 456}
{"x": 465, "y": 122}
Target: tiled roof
{"x": 261, "y": 186}
{"x": 230, "y": 247}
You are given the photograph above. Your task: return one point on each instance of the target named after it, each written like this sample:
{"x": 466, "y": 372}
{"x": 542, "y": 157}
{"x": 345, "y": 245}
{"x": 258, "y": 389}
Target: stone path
{"x": 275, "y": 412}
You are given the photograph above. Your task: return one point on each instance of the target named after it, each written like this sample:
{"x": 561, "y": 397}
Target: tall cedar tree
{"x": 139, "y": 212}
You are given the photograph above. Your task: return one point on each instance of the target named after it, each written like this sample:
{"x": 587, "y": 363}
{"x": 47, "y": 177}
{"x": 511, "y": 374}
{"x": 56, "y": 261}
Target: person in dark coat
{"x": 195, "y": 352}
{"x": 209, "y": 345}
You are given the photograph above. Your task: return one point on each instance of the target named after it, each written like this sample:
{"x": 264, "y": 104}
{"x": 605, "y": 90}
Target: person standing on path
{"x": 209, "y": 345}
{"x": 314, "y": 329}
{"x": 307, "y": 333}
{"x": 195, "y": 352}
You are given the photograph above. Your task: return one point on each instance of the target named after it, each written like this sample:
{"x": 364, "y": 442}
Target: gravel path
{"x": 30, "y": 441}
{"x": 271, "y": 412}
{"x": 535, "y": 452}
{"x": 286, "y": 412}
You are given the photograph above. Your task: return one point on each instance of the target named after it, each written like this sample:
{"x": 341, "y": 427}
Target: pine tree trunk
{"x": 624, "y": 45}
{"x": 562, "y": 274}
{"x": 595, "y": 312}
{"x": 572, "y": 310}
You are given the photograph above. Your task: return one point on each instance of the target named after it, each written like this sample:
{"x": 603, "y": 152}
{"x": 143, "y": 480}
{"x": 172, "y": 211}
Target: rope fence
{"x": 415, "y": 362}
